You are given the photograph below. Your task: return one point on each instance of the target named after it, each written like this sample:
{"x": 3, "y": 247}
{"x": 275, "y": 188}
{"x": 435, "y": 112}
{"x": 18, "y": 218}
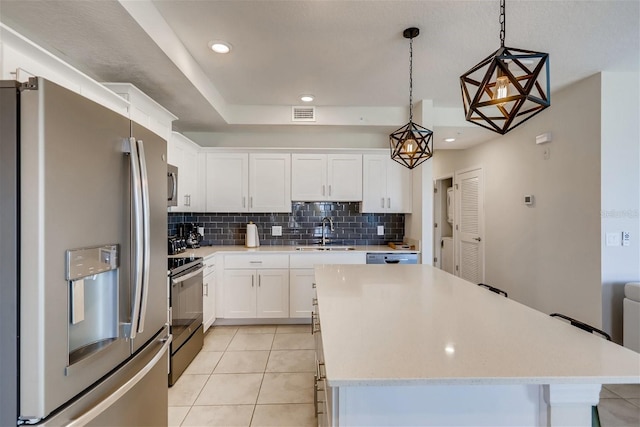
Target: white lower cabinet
{"x": 209, "y": 292}
{"x": 301, "y": 277}
{"x": 252, "y": 292}
{"x": 273, "y": 285}
{"x": 301, "y": 292}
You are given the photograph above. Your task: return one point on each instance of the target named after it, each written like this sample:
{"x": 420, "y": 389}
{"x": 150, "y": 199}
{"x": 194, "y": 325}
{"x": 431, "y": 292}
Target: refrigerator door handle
{"x": 138, "y": 238}
{"x": 91, "y": 414}
{"x": 146, "y": 252}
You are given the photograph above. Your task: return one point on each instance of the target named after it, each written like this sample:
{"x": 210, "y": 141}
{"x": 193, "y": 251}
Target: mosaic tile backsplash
{"x": 300, "y": 227}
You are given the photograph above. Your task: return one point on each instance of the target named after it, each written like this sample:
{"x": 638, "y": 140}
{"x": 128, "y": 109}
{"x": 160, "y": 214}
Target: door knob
{"x": 477, "y": 239}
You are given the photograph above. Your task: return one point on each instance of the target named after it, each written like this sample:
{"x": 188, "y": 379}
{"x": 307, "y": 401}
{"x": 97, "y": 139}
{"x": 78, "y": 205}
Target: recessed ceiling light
{"x": 220, "y": 46}
{"x": 306, "y": 98}
{"x": 449, "y": 139}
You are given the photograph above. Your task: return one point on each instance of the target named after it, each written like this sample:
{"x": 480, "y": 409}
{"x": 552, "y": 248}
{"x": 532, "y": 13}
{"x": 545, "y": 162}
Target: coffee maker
{"x": 190, "y": 233}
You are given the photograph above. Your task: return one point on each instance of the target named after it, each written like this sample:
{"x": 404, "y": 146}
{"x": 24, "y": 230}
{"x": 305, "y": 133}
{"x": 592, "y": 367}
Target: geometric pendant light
{"x": 411, "y": 144}
{"x": 506, "y": 88}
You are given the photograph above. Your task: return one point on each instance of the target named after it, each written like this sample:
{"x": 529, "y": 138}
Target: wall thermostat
{"x": 543, "y": 138}
{"x": 528, "y": 199}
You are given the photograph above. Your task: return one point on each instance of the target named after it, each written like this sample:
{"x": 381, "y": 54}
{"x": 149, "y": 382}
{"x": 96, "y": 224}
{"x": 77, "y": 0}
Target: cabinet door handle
{"x": 251, "y": 201}
{"x": 252, "y": 279}
{"x": 321, "y": 372}
{"x": 329, "y": 189}
{"x": 388, "y": 202}
{"x": 259, "y": 280}
{"x": 323, "y": 189}
{"x": 205, "y": 290}
{"x": 244, "y": 201}
{"x": 315, "y": 394}
{"x": 382, "y": 202}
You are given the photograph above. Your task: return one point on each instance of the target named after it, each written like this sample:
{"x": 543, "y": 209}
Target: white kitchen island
{"x": 414, "y": 345}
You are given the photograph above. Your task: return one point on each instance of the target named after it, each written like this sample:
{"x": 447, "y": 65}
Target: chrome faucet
{"x": 324, "y": 238}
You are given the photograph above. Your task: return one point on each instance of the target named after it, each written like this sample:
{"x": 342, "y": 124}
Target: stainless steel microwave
{"x": 172, "y": 185}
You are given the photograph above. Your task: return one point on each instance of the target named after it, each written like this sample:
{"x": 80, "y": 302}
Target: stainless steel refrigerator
{"x": 83, "y": 291}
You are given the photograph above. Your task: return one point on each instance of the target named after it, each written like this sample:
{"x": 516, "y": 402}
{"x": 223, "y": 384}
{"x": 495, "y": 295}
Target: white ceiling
{"x": 350, "y": 54}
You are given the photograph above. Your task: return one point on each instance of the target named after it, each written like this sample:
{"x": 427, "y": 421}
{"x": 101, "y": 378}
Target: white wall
{"x": 547, "y": 255}
{"x": 620, "y": 190}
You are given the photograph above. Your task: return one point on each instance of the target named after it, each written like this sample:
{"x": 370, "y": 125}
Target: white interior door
{"x": 469, "y": 227}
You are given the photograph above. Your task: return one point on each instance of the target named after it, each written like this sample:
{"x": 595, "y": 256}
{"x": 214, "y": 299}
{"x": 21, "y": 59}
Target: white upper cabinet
{"x": 386, "y": 185}
{"x": 332, "y": 177}
{"x": 183, "y": 153}
{"x": 241, "y": 182}
{"x": 270, "y": 182}
{"x": 227, "y": 182}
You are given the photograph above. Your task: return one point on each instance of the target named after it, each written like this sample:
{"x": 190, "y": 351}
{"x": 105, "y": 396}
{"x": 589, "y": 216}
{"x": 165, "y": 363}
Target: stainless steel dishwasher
{"x": 391, "y": 258}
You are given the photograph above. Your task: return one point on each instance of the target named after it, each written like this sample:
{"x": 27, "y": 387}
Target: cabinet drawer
{"x": 256, "y": 261}
{"x": 209, "y": 269}
{"x": 309, "y": 260}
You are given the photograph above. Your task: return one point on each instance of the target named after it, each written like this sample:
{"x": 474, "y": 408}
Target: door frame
{"x": 438, "y": 219}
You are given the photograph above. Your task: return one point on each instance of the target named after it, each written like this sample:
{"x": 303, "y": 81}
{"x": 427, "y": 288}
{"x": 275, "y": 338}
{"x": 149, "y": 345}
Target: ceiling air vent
{"x": 303, "y": 114}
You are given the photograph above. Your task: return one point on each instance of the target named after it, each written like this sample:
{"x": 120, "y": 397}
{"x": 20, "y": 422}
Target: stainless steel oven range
{"x": 185, "y": 313}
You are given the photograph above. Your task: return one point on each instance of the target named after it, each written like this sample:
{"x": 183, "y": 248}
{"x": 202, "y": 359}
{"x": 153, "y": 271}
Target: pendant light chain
{"x": 411, "y": 144}
{"x": 502, "y": 21}
{"x": 411, "y": 79}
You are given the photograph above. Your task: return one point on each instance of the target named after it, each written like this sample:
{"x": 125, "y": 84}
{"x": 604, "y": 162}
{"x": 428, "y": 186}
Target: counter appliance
{"x": 176, "y": 245}
{"x": 83, "y": 299}
{"x": 190, "y": 232}
{"x": 392, "y": 258}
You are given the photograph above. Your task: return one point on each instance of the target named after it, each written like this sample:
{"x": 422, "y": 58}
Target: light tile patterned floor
{"x": 248, "y": 376}
{"x": 620, "y": 405}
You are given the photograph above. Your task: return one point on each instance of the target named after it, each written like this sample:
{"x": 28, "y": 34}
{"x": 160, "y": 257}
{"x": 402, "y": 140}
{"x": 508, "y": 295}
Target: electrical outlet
{"x": 626, "y": 238}
{"x": 381, "y": 230}
{"x": 613, "y": 239}
{"x": 276, "y": 230}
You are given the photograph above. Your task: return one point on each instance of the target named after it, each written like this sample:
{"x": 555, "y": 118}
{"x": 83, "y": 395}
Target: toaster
{"x": 176, "y": 245}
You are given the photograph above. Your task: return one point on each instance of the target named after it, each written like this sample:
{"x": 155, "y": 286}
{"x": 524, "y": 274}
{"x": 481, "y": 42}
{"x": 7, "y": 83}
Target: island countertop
{"x": 418, "y": 325}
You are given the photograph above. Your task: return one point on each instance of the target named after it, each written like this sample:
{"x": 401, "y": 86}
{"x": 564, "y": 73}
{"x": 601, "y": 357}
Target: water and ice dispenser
{"x": 92, "y": 274}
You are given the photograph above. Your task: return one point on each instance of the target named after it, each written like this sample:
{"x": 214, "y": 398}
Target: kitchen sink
{"x": 324, "y": 248}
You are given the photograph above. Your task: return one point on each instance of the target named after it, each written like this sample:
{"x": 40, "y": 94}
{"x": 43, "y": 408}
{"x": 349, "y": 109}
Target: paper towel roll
{"x": 252, "y": 240}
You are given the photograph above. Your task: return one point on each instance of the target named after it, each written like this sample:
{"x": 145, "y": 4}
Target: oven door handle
{"x": 187, "y": 276}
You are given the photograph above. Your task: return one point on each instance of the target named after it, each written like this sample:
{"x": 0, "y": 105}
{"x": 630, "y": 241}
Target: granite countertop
{"x": 418, "y": 325}
{"x": 206, "y": 251}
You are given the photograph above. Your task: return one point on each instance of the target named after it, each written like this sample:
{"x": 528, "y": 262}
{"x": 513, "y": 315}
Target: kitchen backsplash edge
{"x": 300, "y": 227}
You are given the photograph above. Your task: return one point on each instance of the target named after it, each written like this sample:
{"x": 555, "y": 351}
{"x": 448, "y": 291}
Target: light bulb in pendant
{"x": 502, "y": 88}
{"x": 409, "y": 146}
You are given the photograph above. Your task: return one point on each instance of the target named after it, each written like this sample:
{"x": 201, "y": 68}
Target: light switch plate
{"x": 276, "y": 230}
{"x": 626, "y": 238}
{"x": 381, "y": 230}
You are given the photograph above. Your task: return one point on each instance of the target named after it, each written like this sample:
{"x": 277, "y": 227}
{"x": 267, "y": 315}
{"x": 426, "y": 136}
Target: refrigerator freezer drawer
{"x": 133, "y": 395}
